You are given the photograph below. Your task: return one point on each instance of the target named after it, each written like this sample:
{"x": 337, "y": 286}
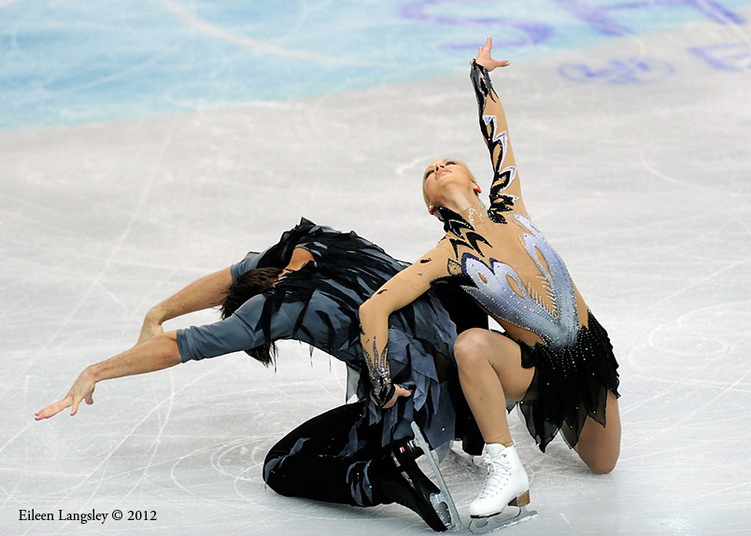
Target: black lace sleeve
{"x": 494, "y": 129}
{"x": 382, "y": 387}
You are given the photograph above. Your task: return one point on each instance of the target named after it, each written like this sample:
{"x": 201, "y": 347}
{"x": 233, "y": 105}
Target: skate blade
{"x": 464, "y": 459}
{"x": 443, "y": 508}
{"x": 442, "y": 501}
{"x": 511, "y": 515}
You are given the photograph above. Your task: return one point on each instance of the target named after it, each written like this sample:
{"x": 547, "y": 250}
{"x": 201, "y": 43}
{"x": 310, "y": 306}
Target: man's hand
{"x": 83, "y": 389}
{"x": 483, "y": 57}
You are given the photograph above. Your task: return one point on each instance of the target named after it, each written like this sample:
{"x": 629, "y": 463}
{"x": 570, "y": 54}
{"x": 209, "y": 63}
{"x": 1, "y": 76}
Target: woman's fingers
{"x": 485, "y": 59}
{"x": 398, "y": 391}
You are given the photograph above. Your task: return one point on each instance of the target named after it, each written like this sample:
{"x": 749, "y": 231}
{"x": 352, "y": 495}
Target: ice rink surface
{"x": 631, "y": 125}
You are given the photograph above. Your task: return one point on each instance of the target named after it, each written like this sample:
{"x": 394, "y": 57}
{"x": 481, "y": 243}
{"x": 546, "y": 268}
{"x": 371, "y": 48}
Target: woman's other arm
{"x": 399, "y": 291}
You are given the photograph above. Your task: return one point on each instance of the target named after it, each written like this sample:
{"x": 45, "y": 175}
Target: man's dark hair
{"x": 246, "y": 286}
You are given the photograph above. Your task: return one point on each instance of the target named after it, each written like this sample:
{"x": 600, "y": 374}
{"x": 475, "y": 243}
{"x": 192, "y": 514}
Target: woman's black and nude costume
{"x": 535, "y": 299}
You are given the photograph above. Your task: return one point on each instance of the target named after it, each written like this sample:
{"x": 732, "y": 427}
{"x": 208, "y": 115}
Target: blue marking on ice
{"x": 67, "y": 62}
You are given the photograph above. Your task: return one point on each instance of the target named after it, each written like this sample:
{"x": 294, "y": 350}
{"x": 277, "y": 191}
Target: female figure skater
{"x": 554, "y": 357}
{"x": 308, "y": 287}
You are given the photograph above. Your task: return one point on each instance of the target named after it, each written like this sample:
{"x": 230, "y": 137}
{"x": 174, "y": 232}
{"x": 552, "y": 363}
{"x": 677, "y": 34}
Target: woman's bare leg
{"x": 491, "y": 372}
{"x": 598, "y": 446}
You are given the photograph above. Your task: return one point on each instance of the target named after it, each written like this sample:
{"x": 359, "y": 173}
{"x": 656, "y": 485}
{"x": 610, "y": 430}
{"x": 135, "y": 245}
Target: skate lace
{"x": 498, "y": 473}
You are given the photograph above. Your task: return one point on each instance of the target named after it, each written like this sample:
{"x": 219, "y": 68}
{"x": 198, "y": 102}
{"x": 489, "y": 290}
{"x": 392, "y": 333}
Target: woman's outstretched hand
{"x": 483, "y": 57}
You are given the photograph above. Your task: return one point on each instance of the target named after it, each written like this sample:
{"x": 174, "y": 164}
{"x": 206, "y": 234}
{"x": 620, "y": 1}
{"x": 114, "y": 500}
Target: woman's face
{"x": 442, "y": 173}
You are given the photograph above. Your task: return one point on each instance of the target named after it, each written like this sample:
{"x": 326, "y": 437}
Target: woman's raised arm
{"x": 505, "y": 188}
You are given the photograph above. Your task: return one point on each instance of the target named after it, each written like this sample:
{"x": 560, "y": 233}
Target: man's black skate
{"x": 401, "y": 480}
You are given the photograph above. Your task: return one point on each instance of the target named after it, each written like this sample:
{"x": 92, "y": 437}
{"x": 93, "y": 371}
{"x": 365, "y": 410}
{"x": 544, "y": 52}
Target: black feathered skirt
{"x": 569, "y": 385}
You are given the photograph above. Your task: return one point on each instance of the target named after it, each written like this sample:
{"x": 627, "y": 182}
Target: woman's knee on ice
{"x": 601, "y": 464}
{"x": 600, "y": 446}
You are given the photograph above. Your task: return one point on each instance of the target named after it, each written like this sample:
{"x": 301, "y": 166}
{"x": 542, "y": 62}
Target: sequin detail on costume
{"x": 452, "y": 222}
{"x": 570, "y": 384}
{"x": 464, "y": 232}
{"x": 556, "y": 324}
{"x": 380, "y": 374}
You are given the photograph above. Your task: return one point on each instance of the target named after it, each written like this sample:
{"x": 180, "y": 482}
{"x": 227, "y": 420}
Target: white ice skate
{"x": 503, "y": 499}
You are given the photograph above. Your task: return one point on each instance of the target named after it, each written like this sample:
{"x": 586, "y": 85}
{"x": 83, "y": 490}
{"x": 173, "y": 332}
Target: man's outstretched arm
{"x": 157, "y": 353}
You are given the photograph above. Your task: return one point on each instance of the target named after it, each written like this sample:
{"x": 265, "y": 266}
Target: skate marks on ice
{"x": 647, "y": 199}
{"x": 239, "y": 462}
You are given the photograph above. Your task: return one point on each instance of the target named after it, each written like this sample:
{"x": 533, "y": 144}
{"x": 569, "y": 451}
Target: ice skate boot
{"x": 399, "y": 479}
{"x": 503, "y": 499}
